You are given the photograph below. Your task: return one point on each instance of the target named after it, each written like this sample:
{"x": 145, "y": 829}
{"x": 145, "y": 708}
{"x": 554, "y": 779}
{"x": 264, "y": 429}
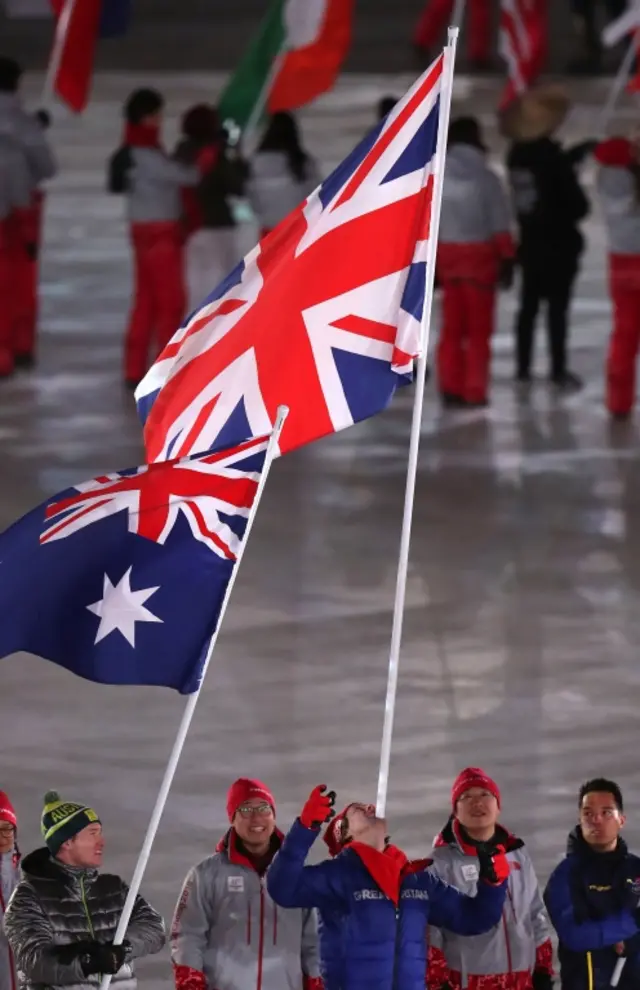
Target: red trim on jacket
{"x": 312, "y": 983}
{"x": 229, "y": 844}
{"x": 386, "y": 868}
{"x": 187, "y": 978}
{"x": 544, "y": 958}
{"x": 437, "y": 969}
{"x": 142, "y": 136}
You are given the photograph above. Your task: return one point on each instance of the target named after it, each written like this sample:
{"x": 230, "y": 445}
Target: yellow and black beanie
{"x": 61, "y": 820}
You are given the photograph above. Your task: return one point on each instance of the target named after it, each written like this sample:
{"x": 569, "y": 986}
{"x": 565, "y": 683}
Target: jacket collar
{"x": 232, "y": 846}
{"x": 454, "y": 835}
{"x": 41, "y": 865}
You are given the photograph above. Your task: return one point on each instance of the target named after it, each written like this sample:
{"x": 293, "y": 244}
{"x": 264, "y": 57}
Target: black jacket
{"x": 548, "y": 199}
{"x": 226, "y": 178}
{"x": 592, "y": 900}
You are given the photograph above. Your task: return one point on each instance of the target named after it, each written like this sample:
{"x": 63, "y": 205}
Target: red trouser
{"x": 624, "y": 279}
{"x": 26, "y": 273}
{"x": 160, "y": 297}
{"x": 7, "y": 255}
{"x": 464, "y": 351}
{"x": 435, "y": 18}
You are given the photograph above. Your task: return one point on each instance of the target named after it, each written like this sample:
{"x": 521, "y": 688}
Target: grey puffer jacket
{"x": 517, "y": 946}
{"x": 55, "y": 905}
{"x": 28, "y": 133}
{"x": 15, "y": 185}
{"x": 475, "y": 206}
{"x": 227, "y": 927}
{"x": 9, "y": 876}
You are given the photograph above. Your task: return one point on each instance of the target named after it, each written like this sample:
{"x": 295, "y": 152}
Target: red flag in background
{"x": 79, "y": 25}
{"x": 523, "y": 44}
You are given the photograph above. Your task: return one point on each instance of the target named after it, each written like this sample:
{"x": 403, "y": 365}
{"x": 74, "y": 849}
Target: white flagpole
{"x": 190, "y": 707}
{"x": 250, "y": 133}
{"x": 416, "y": 423}
{"x": 459, "y": 11}
{"x": 59, "y": 39}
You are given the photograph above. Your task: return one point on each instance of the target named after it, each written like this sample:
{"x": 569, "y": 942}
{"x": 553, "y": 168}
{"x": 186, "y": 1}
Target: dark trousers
{"x": 587, "y": 11}
{"x": 548, "y": 280}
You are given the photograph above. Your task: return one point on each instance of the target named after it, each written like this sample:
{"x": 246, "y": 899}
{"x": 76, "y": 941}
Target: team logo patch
{"x": 235, "y": 884}
{"x": 470, "y": 872}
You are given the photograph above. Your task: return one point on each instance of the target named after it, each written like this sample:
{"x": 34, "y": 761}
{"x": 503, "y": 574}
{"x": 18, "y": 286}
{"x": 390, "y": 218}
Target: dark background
{"x": 178, "y": 35}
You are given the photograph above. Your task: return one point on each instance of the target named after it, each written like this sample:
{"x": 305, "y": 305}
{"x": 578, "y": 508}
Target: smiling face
{"x": 362, "y": 825}
{"x": 600, "y": 821}
{"x": 255, "y": 823}
{"x": 478, "y": 810}
{"x": 85, "y": 849}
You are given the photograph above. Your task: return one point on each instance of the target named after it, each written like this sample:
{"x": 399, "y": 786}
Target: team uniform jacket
{"x": 475, "y": 221}
{"x": 29, "y": 135}
{"x": 154, "y": 186}
{"x": 273, "y": 191}
{"x": 514, "y": 947}
{"x": 384, "y": 945}
{"x": 618, "y": 195}
{"x": 55, "y": 905}
{"x": 9, "y": 876}
{"x": 227, "y": 927}
{"x": 15, "y": 184}
{"x": 592, "y": 899}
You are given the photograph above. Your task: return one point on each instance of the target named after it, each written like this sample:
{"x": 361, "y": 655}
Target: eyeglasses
{"x": 247, "y": 810}
{"x": 7, "y": 830}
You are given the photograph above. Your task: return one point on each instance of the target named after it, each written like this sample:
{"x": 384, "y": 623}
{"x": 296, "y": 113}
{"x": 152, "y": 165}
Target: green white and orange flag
{"x": 295, "y": 57}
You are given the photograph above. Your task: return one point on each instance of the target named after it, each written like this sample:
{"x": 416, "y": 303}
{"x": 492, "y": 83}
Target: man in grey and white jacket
{"x": 227, "y": 933}
{"x": 515, "y": 954}
{"x": 62, "y": 916}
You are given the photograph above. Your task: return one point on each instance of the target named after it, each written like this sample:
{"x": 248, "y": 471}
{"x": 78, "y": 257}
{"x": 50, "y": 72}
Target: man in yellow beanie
{"x": 63, "y": 915}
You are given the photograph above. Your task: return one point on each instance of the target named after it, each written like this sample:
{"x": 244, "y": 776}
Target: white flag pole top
{"x": 446, "y": 93}
{"x": 622, "y": 26}
{"x": 459, "y": 11}
{"x": 59, "y": 39}
{"x": 190, "y": 707}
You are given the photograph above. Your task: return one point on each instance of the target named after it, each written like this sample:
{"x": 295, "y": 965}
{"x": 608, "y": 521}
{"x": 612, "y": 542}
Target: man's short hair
{"x": 600, "y": 785}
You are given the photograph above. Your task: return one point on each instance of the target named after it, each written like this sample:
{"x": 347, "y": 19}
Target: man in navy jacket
{"x": 593, "y": 896}
{"x": 382, "y": 902}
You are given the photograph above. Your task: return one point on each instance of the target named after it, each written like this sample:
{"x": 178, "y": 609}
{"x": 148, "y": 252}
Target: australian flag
{"x": 121, "y": 579}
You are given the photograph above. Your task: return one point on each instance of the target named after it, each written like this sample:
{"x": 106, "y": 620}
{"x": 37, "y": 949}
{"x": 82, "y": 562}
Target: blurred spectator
{"x": 436, "y": 17}
{"x": 589, "y": 27}
{"x": 282, "y": 173}
{"x": 212, "y": 246}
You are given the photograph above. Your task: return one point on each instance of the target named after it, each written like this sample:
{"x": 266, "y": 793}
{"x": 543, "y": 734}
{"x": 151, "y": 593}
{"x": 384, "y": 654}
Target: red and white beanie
{"x": 244, "y": 789}
{"x": 473, "y": 777}
{"x": 7, "y": 811}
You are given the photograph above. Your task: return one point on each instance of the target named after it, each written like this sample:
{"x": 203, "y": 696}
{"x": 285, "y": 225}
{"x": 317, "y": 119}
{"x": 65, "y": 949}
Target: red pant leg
{"x": 479, "y": 30}
{"x": 169, "y": 294}
{"x": 6, "y": 297}
{"x": 26, "y": 278}
{"x": 140, "y": 328}
{"x": 623, "y": 349}
{"x": 479, "y": 303}
{"x": 432, "y": 23}
{"x": 451, "y": 361}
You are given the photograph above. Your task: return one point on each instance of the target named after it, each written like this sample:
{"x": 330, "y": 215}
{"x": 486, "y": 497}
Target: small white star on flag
{"x": 120, "y": 608}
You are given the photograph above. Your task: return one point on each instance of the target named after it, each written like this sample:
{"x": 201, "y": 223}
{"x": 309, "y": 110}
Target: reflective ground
{"x": 521, "y": 641}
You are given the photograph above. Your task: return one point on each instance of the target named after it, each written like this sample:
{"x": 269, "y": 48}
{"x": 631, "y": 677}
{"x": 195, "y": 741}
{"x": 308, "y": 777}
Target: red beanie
{"x": 243, "y": 790}
{"x": 332, "y": 833}
{"x": 473, "y": 777}
{"x": 7, "y": 811}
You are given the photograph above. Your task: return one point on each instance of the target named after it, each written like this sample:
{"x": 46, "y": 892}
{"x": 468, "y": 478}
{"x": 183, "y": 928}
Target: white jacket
{"x": 273, "y": 191}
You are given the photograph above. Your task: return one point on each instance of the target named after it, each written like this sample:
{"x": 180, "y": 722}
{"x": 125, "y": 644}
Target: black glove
{"x": 104, "y": 958}
{"x": 505, "y": 273}
{"x": 44, "y": 118}
{"x": 542, "y": 980}
{"x": 492, "y": 862}
{"x": 66, "y": 954}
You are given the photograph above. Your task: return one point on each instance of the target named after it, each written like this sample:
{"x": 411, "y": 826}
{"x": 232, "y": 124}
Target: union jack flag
{"x": 522, "y": 43}
{"x": 121, "y": 579}
{"x": 322, "y": 316}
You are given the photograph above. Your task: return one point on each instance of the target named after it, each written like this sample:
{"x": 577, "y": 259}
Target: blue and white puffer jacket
{"x": 387, "y": 946}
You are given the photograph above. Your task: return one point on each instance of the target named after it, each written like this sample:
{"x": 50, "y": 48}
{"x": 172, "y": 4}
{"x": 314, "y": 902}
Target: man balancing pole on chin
{"x": 382, "y": 902}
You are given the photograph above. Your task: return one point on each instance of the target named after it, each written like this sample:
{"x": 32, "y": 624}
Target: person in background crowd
{"x": 585, "y": 13}
{"x": 385, "y": 106}
{"x": 475, "y": 256}
{"x": 516, "y": 953}
{"x": 593, "y": 895}
{"x": 226, "y": 929}
{"x": 436, "y": 17}
{"x": 9, "y": 875}
{"x": 63, "y": 915}
{"x": 152, "y": 183}
{"x": 618, "y": 186}
{"x": 212, "y": 247}
{"x": 378, "y": 898}
{"x": 15, "y": 199}
{"x": 550, "y": 205}
{"x": 282, "y": 173}
{"x": 24, "y": 233}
